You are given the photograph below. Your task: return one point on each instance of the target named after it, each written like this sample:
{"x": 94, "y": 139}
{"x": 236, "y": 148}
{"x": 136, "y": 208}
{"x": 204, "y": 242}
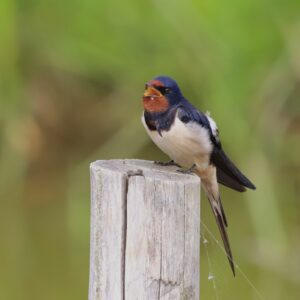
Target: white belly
{"x": 186, "y": 144}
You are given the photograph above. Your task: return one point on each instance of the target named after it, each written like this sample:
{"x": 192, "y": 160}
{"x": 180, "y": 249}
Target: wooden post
{"x": 145, "y": 232}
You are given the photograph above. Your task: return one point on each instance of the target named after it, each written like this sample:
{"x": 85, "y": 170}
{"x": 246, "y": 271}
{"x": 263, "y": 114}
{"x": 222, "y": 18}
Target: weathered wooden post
{"x": 145, "y": 232}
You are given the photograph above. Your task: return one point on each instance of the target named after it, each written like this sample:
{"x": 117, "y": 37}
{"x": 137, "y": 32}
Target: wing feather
{"x": 228, "y": 181}
{"x": 226, "y": 166}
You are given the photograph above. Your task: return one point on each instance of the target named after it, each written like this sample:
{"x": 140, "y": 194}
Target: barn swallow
{"x": 191, "y": 139}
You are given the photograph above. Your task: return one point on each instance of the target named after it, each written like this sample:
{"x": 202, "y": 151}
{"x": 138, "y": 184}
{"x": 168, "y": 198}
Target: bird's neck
{"x": 160, "y": 120}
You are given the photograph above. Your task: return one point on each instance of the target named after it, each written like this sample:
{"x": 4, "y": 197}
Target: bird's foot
{"x": 187, "y": 171}
{"x": 166, "y": 163}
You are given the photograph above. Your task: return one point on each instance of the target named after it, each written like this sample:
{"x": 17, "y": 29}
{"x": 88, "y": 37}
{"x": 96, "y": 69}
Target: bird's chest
{"x": 186, "y": 144}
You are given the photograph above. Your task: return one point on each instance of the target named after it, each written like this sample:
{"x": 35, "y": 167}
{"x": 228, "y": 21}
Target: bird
{"x": 191, "y": 139}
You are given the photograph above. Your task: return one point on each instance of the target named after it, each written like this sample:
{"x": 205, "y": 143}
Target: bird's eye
{"x": 164, "y": 90}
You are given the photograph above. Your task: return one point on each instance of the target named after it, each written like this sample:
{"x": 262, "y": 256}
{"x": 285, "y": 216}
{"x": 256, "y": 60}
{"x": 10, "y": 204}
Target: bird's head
{"x": 161, "y": 93}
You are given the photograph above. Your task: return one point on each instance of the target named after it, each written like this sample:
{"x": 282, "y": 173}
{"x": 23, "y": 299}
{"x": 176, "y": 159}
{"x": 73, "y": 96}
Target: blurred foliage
{"x": 72, "y": 75}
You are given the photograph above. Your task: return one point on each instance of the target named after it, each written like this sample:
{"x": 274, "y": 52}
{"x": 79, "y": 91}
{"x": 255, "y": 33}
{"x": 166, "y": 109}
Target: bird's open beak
{"x": 150, "y": 91}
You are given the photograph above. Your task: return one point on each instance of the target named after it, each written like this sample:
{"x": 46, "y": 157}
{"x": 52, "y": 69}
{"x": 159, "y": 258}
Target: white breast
{"x": 186, "y": 144}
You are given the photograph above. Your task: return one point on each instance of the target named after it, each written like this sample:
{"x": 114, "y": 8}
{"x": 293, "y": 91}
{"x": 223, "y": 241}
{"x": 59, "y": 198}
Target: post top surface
{"x": 148, "y": 168}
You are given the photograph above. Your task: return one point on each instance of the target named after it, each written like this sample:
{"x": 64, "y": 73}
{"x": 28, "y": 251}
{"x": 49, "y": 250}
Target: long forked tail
{"x": 211, "y": 187}
{"x": 219, "y": 214}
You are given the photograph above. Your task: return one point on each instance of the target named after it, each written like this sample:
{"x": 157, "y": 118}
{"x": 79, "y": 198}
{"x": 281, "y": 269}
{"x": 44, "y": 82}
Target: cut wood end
{"x": 137, "y": 167}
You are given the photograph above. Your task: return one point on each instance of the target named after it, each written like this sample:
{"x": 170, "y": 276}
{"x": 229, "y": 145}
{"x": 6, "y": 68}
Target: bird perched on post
{"x": 191, "y": 139}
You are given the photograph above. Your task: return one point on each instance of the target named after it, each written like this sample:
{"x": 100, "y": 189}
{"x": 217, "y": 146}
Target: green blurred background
{"x": 71, "y": 78}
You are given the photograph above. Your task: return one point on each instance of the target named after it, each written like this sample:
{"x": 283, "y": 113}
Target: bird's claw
{"x": 166, "y": 163}
{"x": 187, "y": 171}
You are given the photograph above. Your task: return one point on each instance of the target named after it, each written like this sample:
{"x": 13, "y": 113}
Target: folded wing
{"x": 227, "y": 173}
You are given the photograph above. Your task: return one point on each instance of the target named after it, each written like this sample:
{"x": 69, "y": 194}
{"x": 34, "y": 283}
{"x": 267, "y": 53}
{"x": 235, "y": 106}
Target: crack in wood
{"x": 160, "y": 266}
{"x": 166, "y": 285}
{"x": 165, "y": 282}
{"x": 130, "y": 173}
